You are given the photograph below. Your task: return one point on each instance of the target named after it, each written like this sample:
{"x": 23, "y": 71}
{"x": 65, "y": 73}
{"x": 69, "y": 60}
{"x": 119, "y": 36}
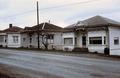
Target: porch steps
{"x": 80, "y": 49}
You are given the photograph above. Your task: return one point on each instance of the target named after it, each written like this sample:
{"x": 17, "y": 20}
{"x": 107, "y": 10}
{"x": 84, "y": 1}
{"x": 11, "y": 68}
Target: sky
{"x": 63, "y": 13}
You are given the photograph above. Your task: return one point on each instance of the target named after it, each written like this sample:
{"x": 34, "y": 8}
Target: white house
{"x": 49, "y": 34}
{"x": 16, "y": 37}
{"x": 11, "y": 37}
{"x": 95, "y": 34}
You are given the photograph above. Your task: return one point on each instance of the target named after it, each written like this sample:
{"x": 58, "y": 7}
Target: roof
{"x": 44, "y": 26}
{"x": 0, "y": 30}
{"x": 99, "y": 20}
{"x": 94, "y": 21}
{"x": 13, "y": 29}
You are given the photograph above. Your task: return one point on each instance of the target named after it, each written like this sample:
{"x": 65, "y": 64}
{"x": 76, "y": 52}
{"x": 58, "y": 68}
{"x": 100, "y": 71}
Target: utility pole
{"x": 38, "y": 24}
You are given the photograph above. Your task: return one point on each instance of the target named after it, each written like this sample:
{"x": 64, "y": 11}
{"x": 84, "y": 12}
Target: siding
{"x": 11, "y": 43}
{"x": 26, "y": 42}
{"x": 98, "y": 48}
{"x": 114, "y": 32}
{"x": 58, "y": 41}
{"x": 68, "y": 35}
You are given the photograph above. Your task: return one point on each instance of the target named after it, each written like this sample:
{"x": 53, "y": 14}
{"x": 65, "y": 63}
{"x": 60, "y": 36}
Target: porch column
{"x": 103, "y": 40}
{"x": 107, "y": 37}
{"x": 73, "y": 41}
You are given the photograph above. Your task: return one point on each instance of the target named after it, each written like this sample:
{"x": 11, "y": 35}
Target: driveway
{"x": 42, "y": 65}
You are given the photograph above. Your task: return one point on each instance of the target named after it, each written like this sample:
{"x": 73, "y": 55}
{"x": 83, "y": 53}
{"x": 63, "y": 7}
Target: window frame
{"x": 30, "y": 40}
{"x": 93, "y": 42}
{"x": 116, "y": 38}
{"x": 24, "y": 39}
{"x": 50, "y": 38}
{"x": 105, "y": 39}
{"x": 71, "y": 42}
{"x": 1, "y": 38}
{"x": 15, "y": 39}
{"x": 6, "y": 38}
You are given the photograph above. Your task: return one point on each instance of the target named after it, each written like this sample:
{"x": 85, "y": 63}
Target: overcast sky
{"x": 61, "y": 12}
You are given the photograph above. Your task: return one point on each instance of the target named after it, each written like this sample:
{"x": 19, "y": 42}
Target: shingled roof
{"x": 12, "y": 29}
{"x": 99, "y": 20}
{"x": 95, "y": 21}
{"x": 45, "y": 27}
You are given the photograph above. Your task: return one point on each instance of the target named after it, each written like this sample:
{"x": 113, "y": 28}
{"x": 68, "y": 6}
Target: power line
{"x": 54, "y": 7}
{"x": 70, "y": 4}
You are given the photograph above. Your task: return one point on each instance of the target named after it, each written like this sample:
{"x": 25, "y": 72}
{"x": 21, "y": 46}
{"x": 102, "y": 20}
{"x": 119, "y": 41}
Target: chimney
{"x": 10, "y": 25}
{"x": 49, "y": 21}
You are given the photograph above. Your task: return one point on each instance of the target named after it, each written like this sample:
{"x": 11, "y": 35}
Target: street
{"x": 39, "y": 65}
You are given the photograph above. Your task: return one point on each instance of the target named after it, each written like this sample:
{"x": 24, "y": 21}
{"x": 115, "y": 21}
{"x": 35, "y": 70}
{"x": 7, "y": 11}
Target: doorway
{"x": 84, "y": 41}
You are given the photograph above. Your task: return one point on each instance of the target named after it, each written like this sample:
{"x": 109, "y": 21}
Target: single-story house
{"x": 95, "y": 34}
{"x": 11, "y": 37}
{"x": 50, "y": 35}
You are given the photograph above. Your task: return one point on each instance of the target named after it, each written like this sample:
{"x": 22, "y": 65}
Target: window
{"x": 24, "y": 39}
{"x": 104, "y": 40}
{"x": 50, "y": 37}
{"x": 95, "y": 40}
{"x": 116, "y": 40}
{"x": 15, "y": 39}
{"x": 84, "y": 40}
{"x": 1, "y": 38}
{"x": 75, "y": 41}
{"x": 30, "y": 40}
{"x": 68, "y": 41}
{"x": 5, "y": 39}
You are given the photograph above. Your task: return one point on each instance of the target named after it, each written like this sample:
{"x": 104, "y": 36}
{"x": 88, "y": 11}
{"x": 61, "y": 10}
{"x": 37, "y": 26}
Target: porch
{"x": 90, "y": 41}
{"x": 76, "y": 41}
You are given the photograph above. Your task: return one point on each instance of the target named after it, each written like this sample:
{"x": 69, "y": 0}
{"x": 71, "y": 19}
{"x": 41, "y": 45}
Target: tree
{"x": 45, "y": 40}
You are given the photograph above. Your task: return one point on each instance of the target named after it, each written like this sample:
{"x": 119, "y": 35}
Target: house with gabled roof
{"x": 95, "y": 34}
{"x": 16, "y": 37}
{"x": 11, "y": 37}
{"x": 49, "y": 34}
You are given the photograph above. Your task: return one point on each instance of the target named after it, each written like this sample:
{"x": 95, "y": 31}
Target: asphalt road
{"x": 42, "y": 65}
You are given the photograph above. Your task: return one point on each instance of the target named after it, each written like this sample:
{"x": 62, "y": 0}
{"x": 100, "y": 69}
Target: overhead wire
{"x": 48, "y": 8}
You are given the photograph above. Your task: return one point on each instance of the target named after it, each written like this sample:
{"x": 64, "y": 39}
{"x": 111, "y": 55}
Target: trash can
{"x": 106, "y": 51}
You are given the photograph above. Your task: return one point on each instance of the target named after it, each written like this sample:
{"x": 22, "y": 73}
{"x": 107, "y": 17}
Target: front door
{"x": 84, "y": 41}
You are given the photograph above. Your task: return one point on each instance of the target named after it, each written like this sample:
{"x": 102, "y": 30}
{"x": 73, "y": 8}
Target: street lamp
{"x": 38, "y": 24}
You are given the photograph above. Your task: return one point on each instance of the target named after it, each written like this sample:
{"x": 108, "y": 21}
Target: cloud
{"x": 23, "y": 12}
{"x": 78, "y": 12}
